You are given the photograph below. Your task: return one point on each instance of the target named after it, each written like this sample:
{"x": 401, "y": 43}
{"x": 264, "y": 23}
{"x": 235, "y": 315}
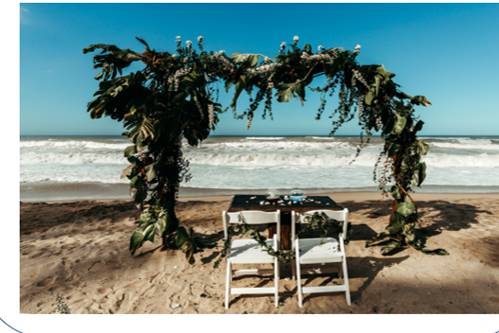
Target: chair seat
{"x": 248, "y": 251}
{"x": 319, "y": 250}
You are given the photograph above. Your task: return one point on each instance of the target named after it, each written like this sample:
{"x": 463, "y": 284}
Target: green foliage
{"x": 173, "y": 97}
{"x": 399, "y": 125}
{"x": 318, "y": 225}
{"x": 406, "y": 208}
{"x": 152, "y": 221}
{"x": 167, "y": 100}
{"x": 186, "y": 242}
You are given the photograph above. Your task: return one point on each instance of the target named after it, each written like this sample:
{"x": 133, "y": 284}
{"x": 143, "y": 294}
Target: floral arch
{"x": 173, "y": 96}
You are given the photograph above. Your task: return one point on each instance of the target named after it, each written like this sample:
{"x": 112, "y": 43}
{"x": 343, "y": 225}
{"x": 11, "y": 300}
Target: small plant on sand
{"x": 166, "y": 98}
{"x": 60, "y": 306}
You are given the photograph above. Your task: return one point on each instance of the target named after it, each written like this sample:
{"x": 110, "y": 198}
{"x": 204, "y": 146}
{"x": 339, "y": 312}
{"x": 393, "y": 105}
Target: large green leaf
{"x": 239, "y": 87}
{"x": 130, "y": 150}
{"x": 140, "y": 191}
{"x": 422, "y": 147}
{"x": 250, "y": 59}
{"x": 143, "y": 42}
{"x": 418, "y": 126}
{"x": 285, "y": 95}
{"x": 422, "y": 173}
{"x": 369, "y": 97}
{"x": 400, "y": 122}
{"x": 185, "y": 242}
{"x": 419, "y": 174}
{"x": 377, "y": 84}
{"x": 136, "y": 240}
{"x": 385, "y": 75}
{"x": 395, "y": 225}
{"x": 395, "y": 192}
{"x": 391, "y": 248}
{"x": 182, "y": 237}
{"x": 151, "y": 173}
{"x": 149, "y": 232}
{"x": 406, "y": 208}
{"x": 420, "y": 100}
{"x": 162, "y": 223}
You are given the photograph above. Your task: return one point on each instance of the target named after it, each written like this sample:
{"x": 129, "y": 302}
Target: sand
{"x": 79, "y": 251}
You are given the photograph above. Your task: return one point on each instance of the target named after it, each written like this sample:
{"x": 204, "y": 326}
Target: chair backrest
{"x": 338, "y": 215}
{"x": 252, "y": 217}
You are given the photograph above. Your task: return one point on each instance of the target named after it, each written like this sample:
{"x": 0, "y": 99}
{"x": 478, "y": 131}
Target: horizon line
{"x": 264, "y": 135}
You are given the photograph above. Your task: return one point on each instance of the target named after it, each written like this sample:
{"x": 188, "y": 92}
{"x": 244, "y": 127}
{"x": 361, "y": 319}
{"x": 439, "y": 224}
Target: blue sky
{"x": 448, "y": 52}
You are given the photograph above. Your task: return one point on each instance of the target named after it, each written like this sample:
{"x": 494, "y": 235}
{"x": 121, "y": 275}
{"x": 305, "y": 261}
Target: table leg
{"x": 285, "y": 243}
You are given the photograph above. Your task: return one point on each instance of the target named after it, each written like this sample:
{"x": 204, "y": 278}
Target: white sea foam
{"x": 468, "y": 144}
{"x": 265, "y": 138}
{"x": 261, "y": 162}
{"x": 74, "y": 144}
{"x": 328, "y": 138}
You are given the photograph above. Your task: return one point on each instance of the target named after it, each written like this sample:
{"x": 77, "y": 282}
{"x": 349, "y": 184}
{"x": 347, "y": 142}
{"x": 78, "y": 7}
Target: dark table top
{"x": 254, "y": 202}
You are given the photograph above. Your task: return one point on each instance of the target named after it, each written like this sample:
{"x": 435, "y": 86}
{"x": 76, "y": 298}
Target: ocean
{"x": 58, "y": 168}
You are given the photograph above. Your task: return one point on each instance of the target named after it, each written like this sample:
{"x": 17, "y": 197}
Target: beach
{"x": 78, "y": 250}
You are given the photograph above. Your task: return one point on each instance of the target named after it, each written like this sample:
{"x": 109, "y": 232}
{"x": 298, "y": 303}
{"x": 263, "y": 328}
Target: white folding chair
{"x": 321, "y": 251}
{"x": 248, "y": 251}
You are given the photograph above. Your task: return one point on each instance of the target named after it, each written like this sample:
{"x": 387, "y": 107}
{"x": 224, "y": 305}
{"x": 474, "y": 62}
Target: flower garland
{"x": 171, "y": 98}
{"x": 318, "y": 225}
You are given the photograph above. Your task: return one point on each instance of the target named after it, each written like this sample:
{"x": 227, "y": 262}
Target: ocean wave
{"x": 468, "y": 144}
{"x": 264, "y": 138}
{"x": 273, "y": 146}
{"x": 73, "y": 158}
{"x": 262, "y": 162}
{"x": 327, "y": 138}
{"x": 74, "y": 144}
{"x": 483, "y": 160}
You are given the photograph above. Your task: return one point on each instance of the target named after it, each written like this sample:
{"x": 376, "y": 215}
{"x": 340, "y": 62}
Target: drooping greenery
{"x": 318, "y": 225}
{"x": 173, "y": 96}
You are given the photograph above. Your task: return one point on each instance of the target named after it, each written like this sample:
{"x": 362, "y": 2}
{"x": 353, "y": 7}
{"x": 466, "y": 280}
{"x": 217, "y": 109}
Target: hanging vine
{"x": 172, "y": 97}
{"x": 317, "y": 225}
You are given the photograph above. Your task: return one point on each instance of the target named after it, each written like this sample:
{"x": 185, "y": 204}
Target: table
{"x": 252, "y": 202}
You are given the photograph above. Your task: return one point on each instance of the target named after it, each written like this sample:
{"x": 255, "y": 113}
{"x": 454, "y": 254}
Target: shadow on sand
{"x": 365, "y": 268}
{"x": 446, "y": 215}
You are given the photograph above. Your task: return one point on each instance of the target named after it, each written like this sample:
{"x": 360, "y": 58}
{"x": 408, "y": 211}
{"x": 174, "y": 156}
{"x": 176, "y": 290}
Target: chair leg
{"x": 345, "y": 280}
{"x": 276, "y": 282}
{"x": 293, "y": 269}
{"x": 228, "y": 282}
{"x": 298, "y": 284}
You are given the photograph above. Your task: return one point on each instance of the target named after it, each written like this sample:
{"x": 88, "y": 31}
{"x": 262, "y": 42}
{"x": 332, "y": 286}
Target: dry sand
{"x": 79, "y": 250}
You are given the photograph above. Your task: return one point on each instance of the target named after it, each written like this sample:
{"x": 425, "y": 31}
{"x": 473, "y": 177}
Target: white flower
{"x": 178, "y": 39}
{"x": 320, "y": 48}
{"x": 200, "y": 39}
{"x": 283, "y": 45}
{"x": 357, "y": 48}
{"x": 267, "y": 59}
{"x": 188, "y": 43}
{"x": 296, "y": 39}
